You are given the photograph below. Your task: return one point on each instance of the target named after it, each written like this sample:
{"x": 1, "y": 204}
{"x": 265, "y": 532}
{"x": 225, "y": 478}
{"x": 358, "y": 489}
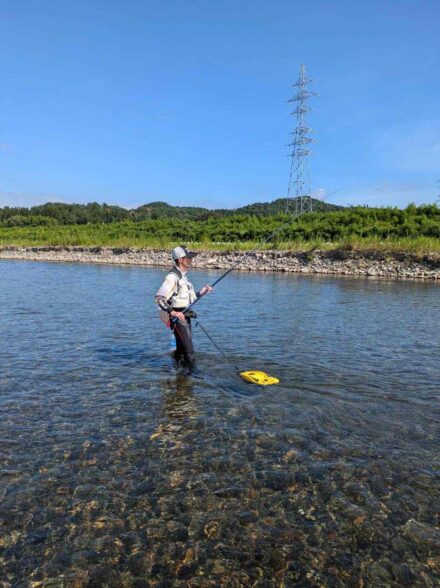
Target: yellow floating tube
{"x": 260, "y": 378}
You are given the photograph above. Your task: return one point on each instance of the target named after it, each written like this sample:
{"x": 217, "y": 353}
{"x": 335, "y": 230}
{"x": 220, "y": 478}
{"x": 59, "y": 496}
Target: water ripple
{"x": 118, "y": 471}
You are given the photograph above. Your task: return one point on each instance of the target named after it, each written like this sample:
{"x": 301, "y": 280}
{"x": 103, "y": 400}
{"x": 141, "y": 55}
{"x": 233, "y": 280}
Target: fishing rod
{"x": 237, "y": 263}
{"x": 252, "y": 376}
{"x": 254, "y": 250}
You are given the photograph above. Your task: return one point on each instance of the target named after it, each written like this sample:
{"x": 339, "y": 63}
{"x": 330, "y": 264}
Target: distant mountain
{"x": 164, "y": 210}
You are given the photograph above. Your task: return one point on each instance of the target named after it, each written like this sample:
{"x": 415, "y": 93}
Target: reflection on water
{"x": 118, "y": 471}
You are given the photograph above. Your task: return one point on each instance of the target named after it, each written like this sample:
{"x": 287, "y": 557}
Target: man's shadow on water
{"x": 179, "y": 399}
{"x": 179, "y": 410}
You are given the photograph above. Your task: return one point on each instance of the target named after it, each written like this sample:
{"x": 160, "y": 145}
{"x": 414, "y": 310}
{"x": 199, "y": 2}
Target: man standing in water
{"x": 175, "y": 294}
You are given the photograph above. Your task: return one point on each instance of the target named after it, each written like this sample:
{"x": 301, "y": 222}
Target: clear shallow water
{"x": 116, "y": 471}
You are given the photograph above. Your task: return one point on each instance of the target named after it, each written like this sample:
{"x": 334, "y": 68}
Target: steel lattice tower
{"x": 299, "y": 180}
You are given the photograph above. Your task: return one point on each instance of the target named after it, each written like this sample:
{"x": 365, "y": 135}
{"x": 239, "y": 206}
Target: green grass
{"x": 135, "y": 235}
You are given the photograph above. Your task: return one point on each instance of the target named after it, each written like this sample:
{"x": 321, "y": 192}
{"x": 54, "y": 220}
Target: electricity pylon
{"x": 299, "y": 179}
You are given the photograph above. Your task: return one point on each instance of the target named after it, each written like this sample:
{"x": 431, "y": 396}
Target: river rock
{"x": 421, "y": 533}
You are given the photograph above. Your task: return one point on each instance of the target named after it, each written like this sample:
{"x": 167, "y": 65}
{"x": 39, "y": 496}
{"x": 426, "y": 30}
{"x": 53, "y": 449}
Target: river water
{"x": 118, "y": 471}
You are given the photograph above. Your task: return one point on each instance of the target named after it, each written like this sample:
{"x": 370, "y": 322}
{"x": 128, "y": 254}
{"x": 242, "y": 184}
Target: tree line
{"x": 327, "y": 225}
{"x": 60, "y": 213}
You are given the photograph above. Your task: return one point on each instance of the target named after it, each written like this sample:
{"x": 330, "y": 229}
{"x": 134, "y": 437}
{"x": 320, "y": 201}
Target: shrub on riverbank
{"x": 37, "y": 220}
{"x": 414, "y": 228}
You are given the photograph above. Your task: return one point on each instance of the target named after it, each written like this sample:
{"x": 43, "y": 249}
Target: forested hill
{"x": 279, "y": 207}
{"x": 164, "y": 210}
{"x": 59, "y": 213}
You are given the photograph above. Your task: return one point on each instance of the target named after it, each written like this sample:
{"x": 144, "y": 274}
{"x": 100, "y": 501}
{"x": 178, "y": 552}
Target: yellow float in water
{"x": 260, "y": 378}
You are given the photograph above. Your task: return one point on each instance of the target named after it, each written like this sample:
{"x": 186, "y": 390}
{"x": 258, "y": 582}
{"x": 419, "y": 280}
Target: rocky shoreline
{"x": 336, "y": 262}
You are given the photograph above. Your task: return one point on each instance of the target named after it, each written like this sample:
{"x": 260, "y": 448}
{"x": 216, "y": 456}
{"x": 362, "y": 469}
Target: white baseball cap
{"x": 181, "y": 251}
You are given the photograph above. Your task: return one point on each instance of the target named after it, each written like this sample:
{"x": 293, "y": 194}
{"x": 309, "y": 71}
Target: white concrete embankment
{"x": 337, "y": 262}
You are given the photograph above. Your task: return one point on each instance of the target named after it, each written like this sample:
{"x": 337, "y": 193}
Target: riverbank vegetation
{"x": 414, "y": 229}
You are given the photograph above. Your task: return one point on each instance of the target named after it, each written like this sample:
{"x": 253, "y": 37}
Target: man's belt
{"x": 189, "y": 314}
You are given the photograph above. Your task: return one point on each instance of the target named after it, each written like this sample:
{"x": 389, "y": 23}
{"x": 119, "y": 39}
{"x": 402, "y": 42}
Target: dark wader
{"x": 184, "y": 354}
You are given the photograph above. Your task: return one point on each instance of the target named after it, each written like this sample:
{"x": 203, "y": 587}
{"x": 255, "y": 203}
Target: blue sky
{"x": 127, "y": 102}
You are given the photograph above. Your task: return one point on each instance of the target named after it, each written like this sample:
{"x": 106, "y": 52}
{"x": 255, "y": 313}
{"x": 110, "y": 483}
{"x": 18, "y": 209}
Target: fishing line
{"x": 252, "y": 376}
{"x": 198, "y": 324}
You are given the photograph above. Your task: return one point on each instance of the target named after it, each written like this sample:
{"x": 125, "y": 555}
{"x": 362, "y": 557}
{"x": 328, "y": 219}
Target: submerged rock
{"x": 421, "y": 533}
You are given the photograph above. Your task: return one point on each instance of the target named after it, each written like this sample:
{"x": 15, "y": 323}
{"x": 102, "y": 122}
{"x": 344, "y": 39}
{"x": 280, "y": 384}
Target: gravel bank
{"x": 336, "y": 262}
